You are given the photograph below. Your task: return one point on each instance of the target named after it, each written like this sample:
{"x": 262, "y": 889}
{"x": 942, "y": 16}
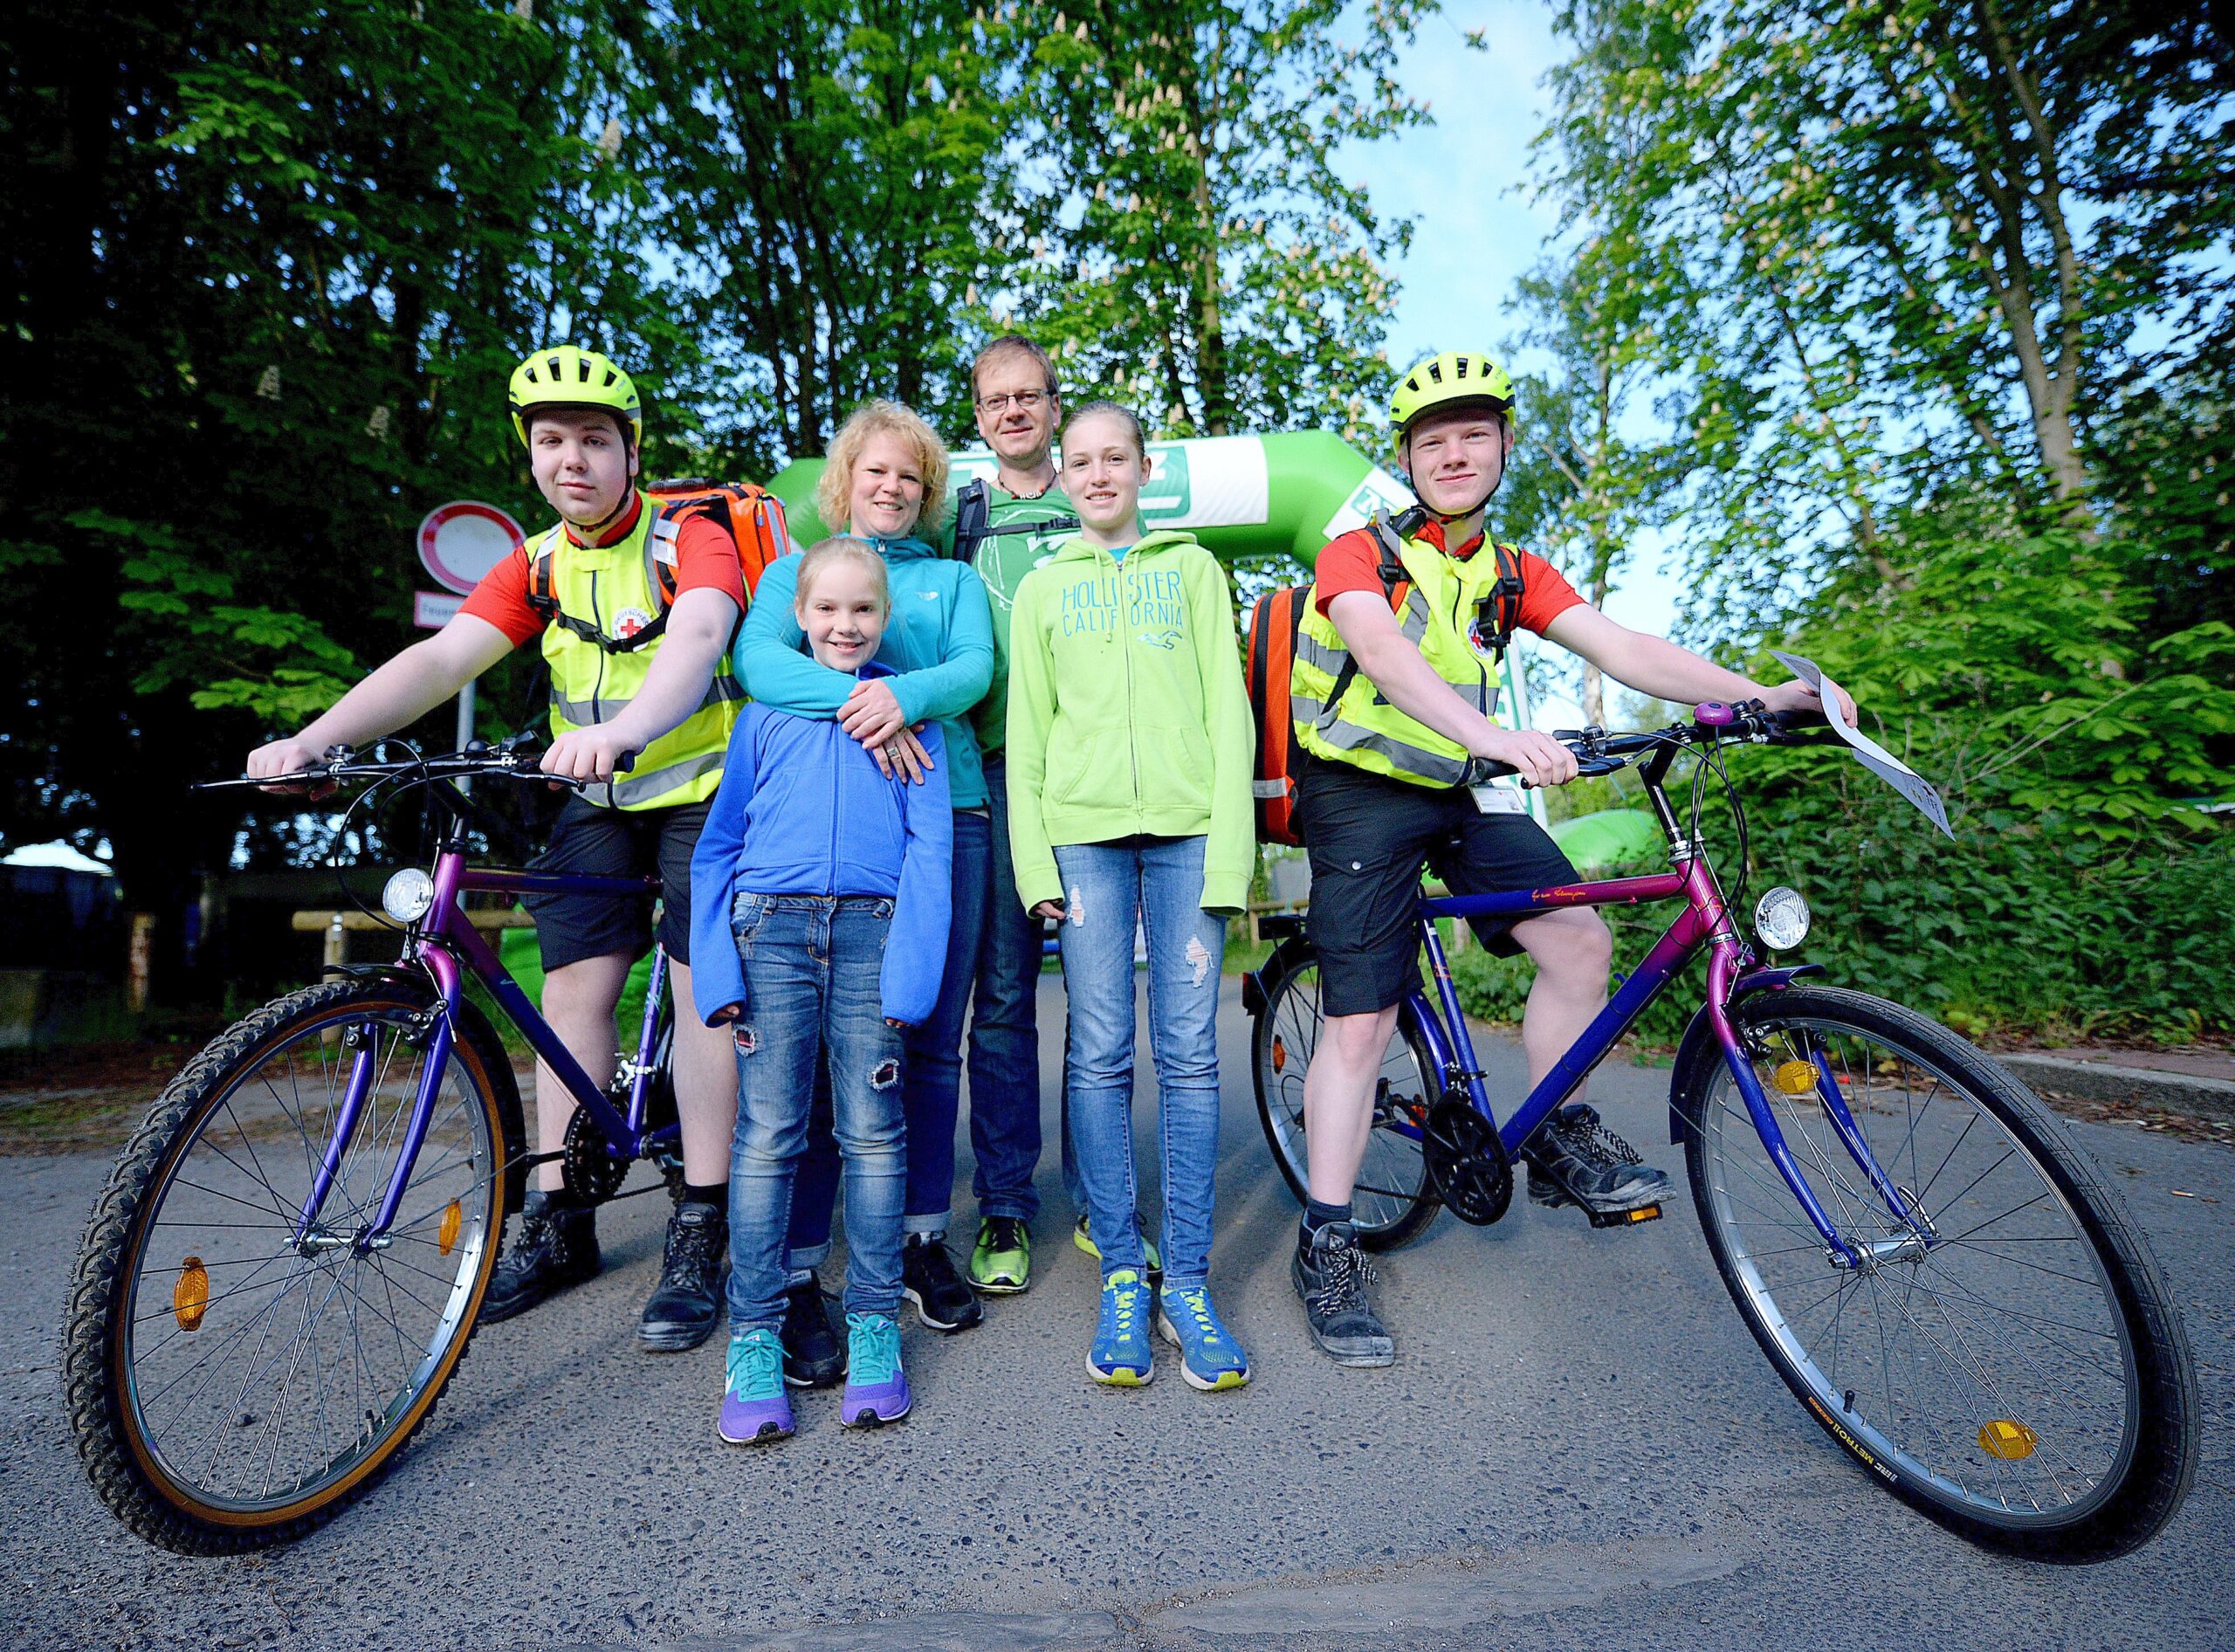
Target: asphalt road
{"x": 1580, "y": 1445}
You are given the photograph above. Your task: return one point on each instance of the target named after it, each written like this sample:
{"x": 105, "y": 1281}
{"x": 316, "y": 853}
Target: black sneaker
{"x": 554, "y": 1247}
{"x": 686, "y": 1304}
{"x": 928, "y": 1279}
{"x": 814, "y": 1354}
{"x": 1331, "y": 1274}
{"x": 1574, "y": 1160}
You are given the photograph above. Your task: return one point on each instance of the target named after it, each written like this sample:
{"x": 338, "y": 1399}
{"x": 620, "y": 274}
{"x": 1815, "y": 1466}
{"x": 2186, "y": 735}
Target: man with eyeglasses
{"x": 1017, "y": 401}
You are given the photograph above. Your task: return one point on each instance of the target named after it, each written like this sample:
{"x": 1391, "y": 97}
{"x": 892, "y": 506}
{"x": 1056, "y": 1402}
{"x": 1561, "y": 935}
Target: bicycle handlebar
{"x": 1598, "y": 751}
{"x": 515, "y": 759}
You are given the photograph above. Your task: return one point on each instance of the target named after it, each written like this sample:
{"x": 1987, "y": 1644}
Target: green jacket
{"x": 1127, "y": 712}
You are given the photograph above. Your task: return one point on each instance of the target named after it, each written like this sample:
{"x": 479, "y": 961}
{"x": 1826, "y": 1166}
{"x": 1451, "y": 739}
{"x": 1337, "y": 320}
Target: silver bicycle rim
{"x": 302, "y": 1365}
{"x": 1390, "y": 1175}
{"x": 1993, "y": 1369}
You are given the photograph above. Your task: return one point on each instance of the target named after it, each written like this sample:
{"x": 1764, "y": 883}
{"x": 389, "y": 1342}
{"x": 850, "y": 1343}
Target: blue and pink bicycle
{"x": 287, "y": 1260}
{"x": 1924, "y": 1251}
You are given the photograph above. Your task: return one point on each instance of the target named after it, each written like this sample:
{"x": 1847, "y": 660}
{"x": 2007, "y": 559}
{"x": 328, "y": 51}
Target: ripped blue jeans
{"x": 812, "y": 981}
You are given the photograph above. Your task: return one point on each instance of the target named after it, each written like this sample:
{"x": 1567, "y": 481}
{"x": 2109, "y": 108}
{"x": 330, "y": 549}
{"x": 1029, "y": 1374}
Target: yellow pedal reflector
{"x": 446, "y": 1233}
{"x": 1796, "y": 1077}
{"x": 2009, "y": 1440}
{"x": 1280, "y": 1056}
{"x": 1644, "y": 1212}
{"x": 191, "y": 1295}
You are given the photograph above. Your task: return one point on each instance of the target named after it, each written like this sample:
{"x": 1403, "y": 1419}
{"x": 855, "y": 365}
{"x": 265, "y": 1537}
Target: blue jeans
{"x": 1105, "y": 886}
{"x": 812, "y": 967}
{"x": 931, "y": 1088}
{"x": 1004, "y": 1036}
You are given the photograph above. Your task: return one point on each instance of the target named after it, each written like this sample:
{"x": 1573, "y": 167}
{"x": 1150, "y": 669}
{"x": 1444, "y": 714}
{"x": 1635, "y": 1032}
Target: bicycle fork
{"x": 1919, "y": 1236}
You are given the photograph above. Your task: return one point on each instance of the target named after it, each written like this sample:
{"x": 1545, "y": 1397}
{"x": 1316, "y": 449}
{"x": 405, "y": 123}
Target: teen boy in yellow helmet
{"x": 609, "y": 572}
{"x": 1390, "y": 706}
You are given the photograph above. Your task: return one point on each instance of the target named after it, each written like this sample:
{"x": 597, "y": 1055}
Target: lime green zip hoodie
{"x": 1127, "y": 712}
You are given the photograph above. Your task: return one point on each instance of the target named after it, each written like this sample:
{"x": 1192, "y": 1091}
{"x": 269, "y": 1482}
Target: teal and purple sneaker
{"x": 1121, "y": 1356}
{"x": 876, "y": 1388}
{"x": 1209, "y": 1357}
{"x": 755, "y": 1408}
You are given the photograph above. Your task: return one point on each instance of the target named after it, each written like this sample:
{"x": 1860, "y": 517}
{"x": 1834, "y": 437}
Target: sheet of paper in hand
{"x": 1873, "y": 756}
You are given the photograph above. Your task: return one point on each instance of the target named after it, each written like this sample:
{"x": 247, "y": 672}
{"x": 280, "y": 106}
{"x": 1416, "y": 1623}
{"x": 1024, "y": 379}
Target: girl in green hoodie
{"x": 1129, "y": 759}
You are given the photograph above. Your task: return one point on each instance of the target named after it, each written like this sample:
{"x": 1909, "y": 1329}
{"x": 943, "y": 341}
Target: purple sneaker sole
{"x": 755, "y": 1421}
{"x": 872, "y": 1406}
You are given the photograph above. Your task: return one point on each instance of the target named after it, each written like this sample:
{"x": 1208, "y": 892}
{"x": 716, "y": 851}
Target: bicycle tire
{"x": 2063, "y": 1427}
{"x": 1393, "y": 1202}
{"x": 211, "y": 1117}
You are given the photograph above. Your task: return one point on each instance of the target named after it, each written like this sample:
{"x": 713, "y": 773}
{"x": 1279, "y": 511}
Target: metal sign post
{"x": 459, "y": 544}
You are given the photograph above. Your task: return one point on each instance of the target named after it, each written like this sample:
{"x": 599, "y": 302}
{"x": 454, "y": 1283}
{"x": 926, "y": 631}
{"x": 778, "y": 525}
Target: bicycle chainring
{"x": 1466, "y": 1162}
{"x": 593, "y": 1171}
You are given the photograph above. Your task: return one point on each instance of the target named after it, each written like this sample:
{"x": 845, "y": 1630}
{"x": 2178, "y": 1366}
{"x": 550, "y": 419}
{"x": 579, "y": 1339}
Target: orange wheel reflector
{"x": 453, "y": 1219}
{"x": 1280, "y": 1056}
{"x": 1796, "y": 1077}
{"x": 2009, "y": 1440}
{"x": 191, "y": 1295}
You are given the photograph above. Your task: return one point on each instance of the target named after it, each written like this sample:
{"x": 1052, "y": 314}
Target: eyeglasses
{"x": 1025, "y": 401}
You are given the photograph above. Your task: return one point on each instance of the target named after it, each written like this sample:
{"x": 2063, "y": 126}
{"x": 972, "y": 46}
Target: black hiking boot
{"x": 555, "y": 1248}
{"x": 1574, "y": 1160}
{"x": 928, "y": 1279}
{"x": 1331, "y": 1274}
{"x": 686, "y": 1304}
{"x": 815, "y": 1355}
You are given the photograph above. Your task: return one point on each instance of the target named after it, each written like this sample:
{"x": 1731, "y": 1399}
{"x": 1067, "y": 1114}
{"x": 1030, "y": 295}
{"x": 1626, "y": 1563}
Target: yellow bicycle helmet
{"x": 1454, "y": 379}
{"x": 565, "y": 375}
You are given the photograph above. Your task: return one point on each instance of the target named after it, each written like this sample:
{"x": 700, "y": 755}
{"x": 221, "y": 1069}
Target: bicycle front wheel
{"x": 235, "y": 1377}
{"x": 2018, "y": 1373}
{"x": 1392, "y": 1199}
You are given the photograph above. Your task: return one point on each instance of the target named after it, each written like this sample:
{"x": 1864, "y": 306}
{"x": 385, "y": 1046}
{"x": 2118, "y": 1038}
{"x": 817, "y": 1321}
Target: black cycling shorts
{"x": 617, "y": 842}
{"x": 1367, "y": 836}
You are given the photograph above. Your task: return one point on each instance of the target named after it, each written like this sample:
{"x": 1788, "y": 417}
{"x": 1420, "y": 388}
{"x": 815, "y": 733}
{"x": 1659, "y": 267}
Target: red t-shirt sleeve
{"x": 1545, "y": 594}
{"x": 501, "y": 599}
{"x": 1351, "y": 563}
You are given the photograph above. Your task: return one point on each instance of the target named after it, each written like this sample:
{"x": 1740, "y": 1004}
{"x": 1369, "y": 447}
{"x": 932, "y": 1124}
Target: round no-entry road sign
{"x": 461, "y": 542}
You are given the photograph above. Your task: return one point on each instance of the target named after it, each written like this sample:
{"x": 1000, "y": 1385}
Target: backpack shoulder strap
{"x": 1503, "y": 607}
{"x": 973, "y": 515}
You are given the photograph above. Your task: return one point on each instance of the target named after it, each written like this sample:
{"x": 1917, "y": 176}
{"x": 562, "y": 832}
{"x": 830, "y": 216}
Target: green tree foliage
{"x": 270, "y": 267}
{"x": 1195, "y": 245}
{"x": 823, "y": 175}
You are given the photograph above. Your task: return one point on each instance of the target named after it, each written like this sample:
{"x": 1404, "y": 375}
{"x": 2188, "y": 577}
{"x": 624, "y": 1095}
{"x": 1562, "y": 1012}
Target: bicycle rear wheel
{"x": 1392, "y": 1200}
{"x": 230, "y": 1383}
{"x": 2024, "y": 1377}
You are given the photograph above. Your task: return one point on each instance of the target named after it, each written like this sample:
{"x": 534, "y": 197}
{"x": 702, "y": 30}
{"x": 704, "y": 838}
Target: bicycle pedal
{"x": 1622, "y": 1218}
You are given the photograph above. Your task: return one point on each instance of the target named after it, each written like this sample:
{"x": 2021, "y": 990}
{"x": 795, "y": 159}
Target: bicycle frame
{"x": 1705, "y": 923}
{"x": 446, "y": 945}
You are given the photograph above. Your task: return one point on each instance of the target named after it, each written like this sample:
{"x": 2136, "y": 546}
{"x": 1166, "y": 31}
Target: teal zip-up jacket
{"x": 1128, "y": 714}
{"x": 939, "y": 642}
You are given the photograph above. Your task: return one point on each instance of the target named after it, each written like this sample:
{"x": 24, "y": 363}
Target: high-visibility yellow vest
{"x": 601, "y": 602}
{"x": 1458, "y": 614}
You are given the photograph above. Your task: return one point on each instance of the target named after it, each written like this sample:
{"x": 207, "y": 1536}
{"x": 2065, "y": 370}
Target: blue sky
{"x": 1465, "y": 182}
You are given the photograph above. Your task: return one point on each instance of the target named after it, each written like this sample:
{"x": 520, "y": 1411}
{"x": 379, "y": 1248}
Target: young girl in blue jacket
{"x": 833, "y": 880}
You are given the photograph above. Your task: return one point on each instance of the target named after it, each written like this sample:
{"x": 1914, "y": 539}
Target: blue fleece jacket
{"x": 803, "y": 810}
{"x": 939, "y": 646}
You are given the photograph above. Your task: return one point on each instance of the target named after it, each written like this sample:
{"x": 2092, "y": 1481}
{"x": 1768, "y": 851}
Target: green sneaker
{"x": 1084, "y": 1241}
{"x": 1001, "y": 1263}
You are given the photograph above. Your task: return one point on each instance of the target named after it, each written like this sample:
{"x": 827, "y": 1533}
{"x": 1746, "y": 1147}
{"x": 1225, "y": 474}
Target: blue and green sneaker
{"x": 1121, "y": 1355}
{"x": 1209, "y": 1357}
{"x": 755, "y": 1408}
{"x": 1084, "y": 1241}
{"x": 876, "y": 1388}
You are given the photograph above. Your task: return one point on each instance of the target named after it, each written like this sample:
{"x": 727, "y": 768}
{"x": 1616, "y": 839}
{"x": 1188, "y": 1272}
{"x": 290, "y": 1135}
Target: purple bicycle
{"x": 287, "y": 1260}
{"x": 1924, "y": 1251}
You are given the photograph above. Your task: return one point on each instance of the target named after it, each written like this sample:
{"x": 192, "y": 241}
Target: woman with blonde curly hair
{"x": 885, "y": 485}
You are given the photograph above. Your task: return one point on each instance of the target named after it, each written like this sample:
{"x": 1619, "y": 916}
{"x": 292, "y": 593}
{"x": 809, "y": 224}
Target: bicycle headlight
{"x": 407, "y": 896}
{"x": 1781, "y": 920}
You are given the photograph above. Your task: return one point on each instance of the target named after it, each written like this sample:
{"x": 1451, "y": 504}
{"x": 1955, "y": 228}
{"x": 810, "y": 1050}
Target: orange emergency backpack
{"x": 752, "y": 517}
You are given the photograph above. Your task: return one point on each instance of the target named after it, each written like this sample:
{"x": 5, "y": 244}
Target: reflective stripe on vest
{"x": 603, "y": 584}
{"x": 1363, "y": 729}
